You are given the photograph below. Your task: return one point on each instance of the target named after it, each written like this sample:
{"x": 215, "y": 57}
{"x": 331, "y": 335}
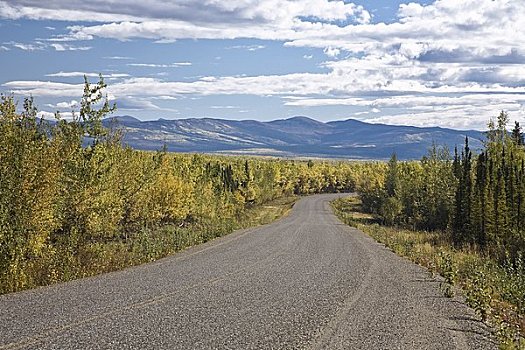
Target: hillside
{"x": 293, "y": 137}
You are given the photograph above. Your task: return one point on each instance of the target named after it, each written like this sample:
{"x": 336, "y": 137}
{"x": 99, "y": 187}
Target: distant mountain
{"x": 293, "y": 137}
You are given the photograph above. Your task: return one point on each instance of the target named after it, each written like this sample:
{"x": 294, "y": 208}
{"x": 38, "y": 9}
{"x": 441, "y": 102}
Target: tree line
{"x": 475, "y": 197}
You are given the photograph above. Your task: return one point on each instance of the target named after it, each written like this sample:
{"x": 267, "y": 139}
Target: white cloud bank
{"x": 449, "y": 63}
{"x": 86, "y": 74}
{"x": 184, "y": 11}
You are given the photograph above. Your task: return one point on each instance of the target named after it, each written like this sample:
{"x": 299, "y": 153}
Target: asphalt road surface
{"x": 304, "y": 282}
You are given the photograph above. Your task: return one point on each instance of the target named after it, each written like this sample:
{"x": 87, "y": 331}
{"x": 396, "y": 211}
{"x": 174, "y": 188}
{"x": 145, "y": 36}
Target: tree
{"x": 94, "y": 107}
{"x": 480, "y": 210}
{"x": 462, "y": 213}
{"x": 437, "y": 187}
{"x": 392, "y": 176}
{"x": 517, "y": 134}
{"x": 391, "y": 207}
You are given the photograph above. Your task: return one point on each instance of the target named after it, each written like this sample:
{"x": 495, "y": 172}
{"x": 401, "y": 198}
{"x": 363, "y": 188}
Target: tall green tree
{"x": 517, "y": 134}
{"x": 462, "y": 207}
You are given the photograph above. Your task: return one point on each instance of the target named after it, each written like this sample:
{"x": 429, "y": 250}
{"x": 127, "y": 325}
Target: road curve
{"x": 306, "y": 281}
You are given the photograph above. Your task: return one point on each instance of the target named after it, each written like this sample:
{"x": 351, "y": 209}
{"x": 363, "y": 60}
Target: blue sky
{"x": 442, "y": 63}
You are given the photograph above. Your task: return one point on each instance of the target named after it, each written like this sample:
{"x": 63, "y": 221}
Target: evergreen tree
{"x": 517, "y": 134}
{"x": 462, "y": 212}
{"x": 501, "y": 131}
{"x": 392, "y": 176}
{"x": 500, "y": 208}
{"x": 479, "y": 206}
{"x": 520, "y": 197}
{"x": 391, "y": 207}
{"x": 456, "y": 167}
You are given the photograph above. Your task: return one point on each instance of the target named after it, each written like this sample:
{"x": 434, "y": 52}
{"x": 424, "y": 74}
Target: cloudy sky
{"x": 452, "y": 63}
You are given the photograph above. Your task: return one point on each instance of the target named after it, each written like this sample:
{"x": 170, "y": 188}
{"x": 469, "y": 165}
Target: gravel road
{"x": 306, "y": 281}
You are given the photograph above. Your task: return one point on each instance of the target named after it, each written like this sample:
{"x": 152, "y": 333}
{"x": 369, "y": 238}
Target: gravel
{"x": 307, "y": 281}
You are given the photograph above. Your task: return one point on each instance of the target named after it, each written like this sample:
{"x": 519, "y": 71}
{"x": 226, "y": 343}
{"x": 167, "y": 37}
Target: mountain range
{"x": 292, "y": 137}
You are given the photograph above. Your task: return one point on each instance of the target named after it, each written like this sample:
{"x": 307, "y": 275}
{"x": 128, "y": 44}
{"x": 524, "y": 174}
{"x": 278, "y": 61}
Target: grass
{"x": 150, "y": 244}
{"x": 496, "y": 291}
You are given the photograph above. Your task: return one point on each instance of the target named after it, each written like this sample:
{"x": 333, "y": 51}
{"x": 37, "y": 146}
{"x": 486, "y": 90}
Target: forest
{"x": 478, "y": 197}
{"x": 75, "y": 202}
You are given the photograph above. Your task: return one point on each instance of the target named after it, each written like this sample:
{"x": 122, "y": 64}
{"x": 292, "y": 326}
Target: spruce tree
{"x": 517, "y": 134}
{"x": 462, "y": 213}
{"x": 479, "y": 201}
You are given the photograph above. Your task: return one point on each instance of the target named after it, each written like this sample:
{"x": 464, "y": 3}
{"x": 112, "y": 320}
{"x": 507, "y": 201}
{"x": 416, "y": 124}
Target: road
{"x": 307, "y": 281}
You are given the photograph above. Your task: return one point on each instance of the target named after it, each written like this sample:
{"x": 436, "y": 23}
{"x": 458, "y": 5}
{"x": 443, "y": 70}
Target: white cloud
{"x": 225, "y": 107}
{"x": 82, "y": 74}
{"x": 134, "y": 104}
{"x": 70, "y": 104}
{"x": 65, "y": 105}
{"x": 444, "y": 26}
{"x": 308, "y": 57}
{"x": 298, "y": 84}
{"x": 52, "y": 116}
{"x": 77, "y": 36}
{"x": 332, "y": 51}
{"x": 206, "y": 11}
{"x": 55, "y": 10}
{"x": 470, "y": 111}
{"x": 155, "y": 65}
{"x": 165, "y": 41}
{"x": 247, "y": 47}
{"x": 413, "y": 101}
{"x": 45, "y": 88}
{"x": 46, "y": 115}
{"x": 64, "y": 47}
{"x": 464, "y": 117}
{"x": 481, "y": 27}
{"x": 39, "y": 45}
{"x": 26, "y": 47}
{"x": 446, "y": 57}
{"x": 164, "y": 97}
{"x": 118, "y": 58}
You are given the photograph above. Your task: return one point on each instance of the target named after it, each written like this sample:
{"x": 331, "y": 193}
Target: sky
{"x": 448, "y": 63}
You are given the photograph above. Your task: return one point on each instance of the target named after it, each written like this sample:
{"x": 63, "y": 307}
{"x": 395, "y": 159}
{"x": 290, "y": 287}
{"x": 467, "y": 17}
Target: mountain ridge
{"x": 298, "y": 136}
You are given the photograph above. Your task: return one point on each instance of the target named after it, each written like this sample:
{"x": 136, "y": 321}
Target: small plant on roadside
{"x": 507, "y": 336}
{"x": 449, "y": 271}
{"x": 479, "y": 294}
{"x": 514, "y": 278}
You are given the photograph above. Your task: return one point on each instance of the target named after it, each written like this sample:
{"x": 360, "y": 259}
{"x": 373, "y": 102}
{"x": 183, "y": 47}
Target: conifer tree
{"x": 517, "y": 134}
{"x": 462, "y": 212}
{"x": 479, "y": 206}
{"x": 392, "y": 176}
